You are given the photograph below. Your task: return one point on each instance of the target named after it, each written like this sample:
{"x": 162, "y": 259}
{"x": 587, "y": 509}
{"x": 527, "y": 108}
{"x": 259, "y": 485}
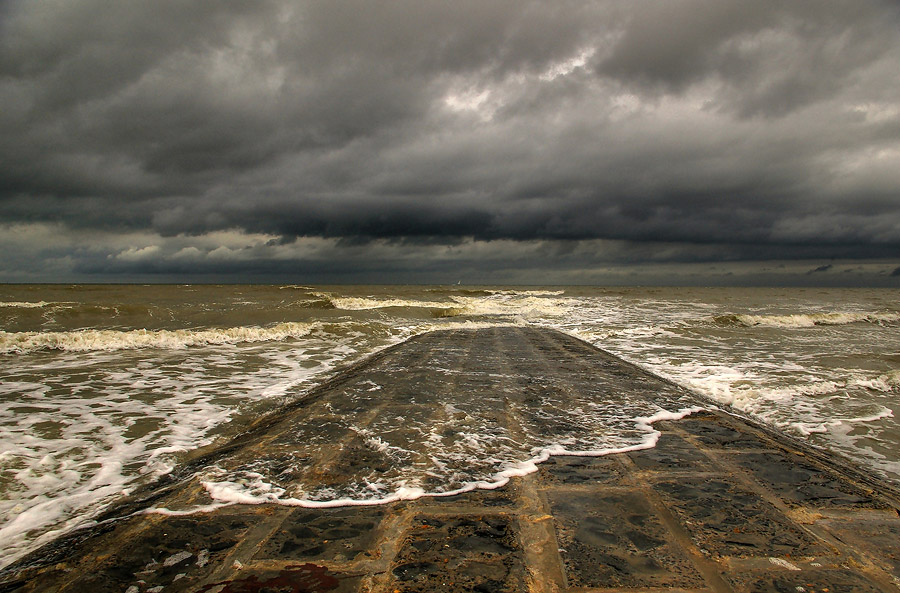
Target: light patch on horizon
{"x": 134, "y": 254}
{"x": 188, "y": 253}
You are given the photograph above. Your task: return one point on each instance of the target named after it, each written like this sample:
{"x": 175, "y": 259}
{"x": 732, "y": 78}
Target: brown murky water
{"x": 105, "y": 387}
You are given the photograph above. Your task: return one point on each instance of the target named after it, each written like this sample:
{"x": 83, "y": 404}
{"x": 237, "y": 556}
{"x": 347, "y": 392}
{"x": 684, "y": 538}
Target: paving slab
{"x": 566, "y": 470}
{"x": 814, "y": 580}
{"x": 721, "y": 504}
{"x": 339, "y": 535}
{"x": 672, "y": 454}
{"x": 803, "y": 483}
{"x": 725, "y": 519}
{"x": 460, "y": 553}
{"x": 615, "y": 539}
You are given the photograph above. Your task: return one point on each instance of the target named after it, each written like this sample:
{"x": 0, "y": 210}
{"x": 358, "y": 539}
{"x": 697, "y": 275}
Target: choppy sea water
{"x": 102, "y": 388}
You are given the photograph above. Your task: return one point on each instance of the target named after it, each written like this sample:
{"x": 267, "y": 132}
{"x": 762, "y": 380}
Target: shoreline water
{"x": 178, "y": 363}
{"x": 650, "y": 517}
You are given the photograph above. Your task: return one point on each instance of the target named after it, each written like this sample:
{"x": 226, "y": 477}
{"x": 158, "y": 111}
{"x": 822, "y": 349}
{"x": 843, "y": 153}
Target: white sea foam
{"x": 27, "y": 304}
{"x": 885, "y": 382}
{"x": 73, "y": 443}
{"x": 249, "y": 487}
{"x": 814, "y": 319}
{"x": 838, "y": 389}
{"x": 363, "y": 303}
{"x": 813, "y": 406}
{"x": 528, "y": 292}
{"x": 527, "y": 307}
{"x": 522, "y": 304}
{"x": 786, "y": 378}
{"x": 88, "y": 340}
{"x": 833, "y": 424}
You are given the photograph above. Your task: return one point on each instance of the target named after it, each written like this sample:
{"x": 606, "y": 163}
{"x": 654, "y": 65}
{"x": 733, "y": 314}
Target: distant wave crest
{"x": 453, "y": 290}
{"x": 507, "y": 303}
{"x": 108, "y": 340}
{"x": 363, "y": 303}
{"x": 317, "y": 302}
{"x": 528, "y": 292}
{"x": 26, "y": 304}
{"x": 807, "y": 319}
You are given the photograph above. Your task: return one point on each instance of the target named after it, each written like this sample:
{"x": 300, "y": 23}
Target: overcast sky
{"x": 557, "y": 141}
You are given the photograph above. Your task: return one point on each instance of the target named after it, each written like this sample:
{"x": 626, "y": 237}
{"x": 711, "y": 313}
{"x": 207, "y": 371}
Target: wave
{"x": 251, "y": 487}
{"x": 806, "y": 319}
{"x": 525, "y": 306}
{"x": 884, "y": 383}
{"x": 362, "y": 303}
{"x": 464, "y": 291}
{"x": 501, "y": 303}
{"x": 824, "y": 426}
{"x": 443, "y": 312}
{"x": 528, "y": 292}
{"x": 450, "y": 290}
{"x": 317, "y": 302}
{"x": 88, "y": 340}
{"x": 439, "y": 309}
{"x": 27, "y": 304}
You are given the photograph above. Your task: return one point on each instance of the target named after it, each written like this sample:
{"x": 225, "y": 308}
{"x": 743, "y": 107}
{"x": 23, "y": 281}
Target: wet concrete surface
{"x": 720, "y": 505}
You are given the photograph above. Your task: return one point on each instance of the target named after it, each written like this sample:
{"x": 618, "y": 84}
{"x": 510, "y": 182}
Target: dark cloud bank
{"x": 672, "y": 141}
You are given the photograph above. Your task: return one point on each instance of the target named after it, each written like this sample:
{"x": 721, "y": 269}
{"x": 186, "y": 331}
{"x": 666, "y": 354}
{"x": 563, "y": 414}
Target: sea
{"x": 104, "y": 388}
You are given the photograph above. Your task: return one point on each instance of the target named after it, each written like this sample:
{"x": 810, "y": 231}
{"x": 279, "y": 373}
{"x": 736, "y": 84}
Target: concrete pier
{"x": 719, "y": 505}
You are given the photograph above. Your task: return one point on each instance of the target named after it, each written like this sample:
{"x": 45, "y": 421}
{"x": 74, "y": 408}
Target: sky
{"x": 416, "y": 141}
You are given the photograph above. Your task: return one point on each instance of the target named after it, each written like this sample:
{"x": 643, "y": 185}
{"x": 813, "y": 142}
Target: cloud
{"x": 765, "y": 59}
{"x": 63, "y": 255}
{"x": 732, "y": 130}
{"x": 133, "y": 254}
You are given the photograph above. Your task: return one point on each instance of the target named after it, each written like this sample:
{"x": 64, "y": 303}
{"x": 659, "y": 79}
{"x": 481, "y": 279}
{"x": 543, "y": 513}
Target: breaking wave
{"x": 807, "y": 319}
{"x": 88, "y": 340}
{"x": 528, "y": 292}
{"x": 26, "y": 304}
{"x": 244, "y": 486}
{"x": 885, "y": 383}
{"x": 519, "y": 304}
{"x": 493, "y": 291}
{"x": 317, "y": 302}
{"x": 363, "y": 303}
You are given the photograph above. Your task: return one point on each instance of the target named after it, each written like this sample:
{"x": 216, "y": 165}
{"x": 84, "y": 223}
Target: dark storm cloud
{"x": 770, "y": 57}
{"x": 768, "y": 129}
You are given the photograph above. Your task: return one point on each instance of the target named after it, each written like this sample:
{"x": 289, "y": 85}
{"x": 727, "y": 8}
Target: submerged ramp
{"x": 438, "y": 437}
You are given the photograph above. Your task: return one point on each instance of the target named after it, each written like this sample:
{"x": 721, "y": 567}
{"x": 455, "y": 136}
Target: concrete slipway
{"x": 720, "y": 505}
